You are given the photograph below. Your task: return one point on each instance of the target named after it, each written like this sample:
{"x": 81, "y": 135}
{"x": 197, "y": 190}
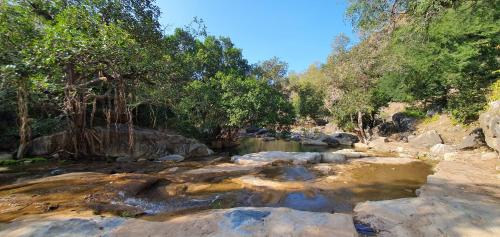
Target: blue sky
{"x": 299, "y": 32}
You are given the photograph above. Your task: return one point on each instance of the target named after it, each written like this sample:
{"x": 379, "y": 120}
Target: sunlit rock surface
{"x": 461, "y": 199}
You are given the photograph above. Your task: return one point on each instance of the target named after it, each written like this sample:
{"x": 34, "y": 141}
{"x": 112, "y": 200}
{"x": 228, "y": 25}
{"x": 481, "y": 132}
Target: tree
{"x": 273, "y": 71}
{"x": 221, "y": 105}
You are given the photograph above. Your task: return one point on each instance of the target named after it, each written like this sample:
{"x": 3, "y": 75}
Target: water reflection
{"x": 252, "y": 145}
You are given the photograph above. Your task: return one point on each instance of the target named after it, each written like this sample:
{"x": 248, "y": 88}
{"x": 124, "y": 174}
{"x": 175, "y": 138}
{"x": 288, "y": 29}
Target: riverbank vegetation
{"x": 73, "y": 65}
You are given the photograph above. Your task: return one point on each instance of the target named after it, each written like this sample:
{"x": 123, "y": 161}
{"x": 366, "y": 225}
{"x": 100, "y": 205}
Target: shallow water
{"x": 304, "y": 188}
{"x": 252, "y": 145}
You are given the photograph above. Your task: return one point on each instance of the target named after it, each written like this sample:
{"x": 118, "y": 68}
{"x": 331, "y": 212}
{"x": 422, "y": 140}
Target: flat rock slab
{"x": 268, "y": 157}
{"x": 62, "y": 226}
{"x": 253, "y": 182}
{"x": 386, "y": 160}
{"x": 461, "y": 199}
{"x": 245, "y": 222}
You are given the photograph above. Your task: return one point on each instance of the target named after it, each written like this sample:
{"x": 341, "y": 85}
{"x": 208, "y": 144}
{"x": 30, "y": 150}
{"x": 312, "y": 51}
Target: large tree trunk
{"x": 22, "y": 113}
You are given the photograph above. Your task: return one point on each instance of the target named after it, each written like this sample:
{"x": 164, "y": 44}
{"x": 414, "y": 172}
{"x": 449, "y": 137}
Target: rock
{"x": 174, "y": 158}
{"x": 253, "y": 182}
{"x": 490, "y": 123}
{"x": 474, "y": 140}
{"x": 63, "y": 226}
{"x": 56, "y": 171}
{"x": 450, "y": 156}
{"x": 349, "y": 153}
{"x": 426, "y": 140}
{"x": 441, "y": 149}
{"x": 346, "y": 139}
{"x": 361, "y": 146}
{"x": 461, "y": 192}
{"x": 262, "y": 131}
{"x": 6, "y": 156}
{"x": 295, "y": 137}
{"x": 403, "y": 122}
{"x": 142, "y": 160}
{"x": 332, "y": 157}
{"x": 311, "y": 142}
{"x": 147, "y": 143}
{"x": 489, "y": 155}
{"x": 325, "y": 169}
{"x": 124, "y": 159}
{"x": 332, "y": 142}
{"x": 214, "y": 171}
{"x": 245, "y": 221}
{"x": 268, "y": 157}
{"x": 268, "y": 139}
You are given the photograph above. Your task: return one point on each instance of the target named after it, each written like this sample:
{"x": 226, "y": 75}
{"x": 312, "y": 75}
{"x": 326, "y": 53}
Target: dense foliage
{"x": 72, "y": 65}
{"x": 436, "y": 54}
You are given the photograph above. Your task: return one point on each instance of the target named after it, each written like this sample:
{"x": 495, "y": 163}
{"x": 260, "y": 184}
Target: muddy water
{"x": 163, "y": 190}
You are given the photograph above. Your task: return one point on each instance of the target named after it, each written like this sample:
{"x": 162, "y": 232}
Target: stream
{"x": 158, "y": 191}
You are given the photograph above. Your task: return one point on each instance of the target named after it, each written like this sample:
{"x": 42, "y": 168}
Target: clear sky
{"x": 299, "y": 32}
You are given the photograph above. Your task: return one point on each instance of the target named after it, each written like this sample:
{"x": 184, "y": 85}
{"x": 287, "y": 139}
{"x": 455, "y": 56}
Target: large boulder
{"x": 472, "y": 141}
{"x": 346, "y": 139}
{"x": 490, "y": 123}
{"x": 403, "y": 122}
{"x": 311, "y": 142}
{"x": 426, "y": 140}
{"x": 113, "y": 142}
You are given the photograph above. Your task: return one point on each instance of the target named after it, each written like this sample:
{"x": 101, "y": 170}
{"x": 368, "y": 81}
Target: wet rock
{"x": 174, "y": 158}
{"x": 253, "y": 182}
{"x": 346, "y": 139}
{"x": 215, "y": 171}
{"x": 426, "y": 140}
{"x": 245, "y": 221}
{"x": 268, "y": 157}
{"x": 332, "y": 157}
{"x": 304, "y": 202}
{"x": 324, "y": 169}
{"x": 490, "y": 123}
{"x": 56, "y": 171}
{"x": 147, "y": 143}
{"x": 297, "y": 173}
{"x": 311, "y": 142}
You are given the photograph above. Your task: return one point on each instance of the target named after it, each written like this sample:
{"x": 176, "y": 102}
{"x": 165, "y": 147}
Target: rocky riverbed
{"x": 319, "y": 192}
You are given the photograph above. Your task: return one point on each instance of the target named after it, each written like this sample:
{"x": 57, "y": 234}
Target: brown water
{"x": 157, "y": 195}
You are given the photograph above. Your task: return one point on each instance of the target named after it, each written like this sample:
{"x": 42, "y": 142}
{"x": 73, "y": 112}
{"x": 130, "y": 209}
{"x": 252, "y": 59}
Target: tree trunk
{"x": 360, "y": 127}
{"x": 22, "y": 113}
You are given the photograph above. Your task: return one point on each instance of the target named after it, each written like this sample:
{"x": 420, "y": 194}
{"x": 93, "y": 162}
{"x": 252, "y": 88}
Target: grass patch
{"x": 414, "y": 112}
{"x": 10, "y": 162}
{"x": 38, "y": 160}
{"x": 432, "y": 119}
